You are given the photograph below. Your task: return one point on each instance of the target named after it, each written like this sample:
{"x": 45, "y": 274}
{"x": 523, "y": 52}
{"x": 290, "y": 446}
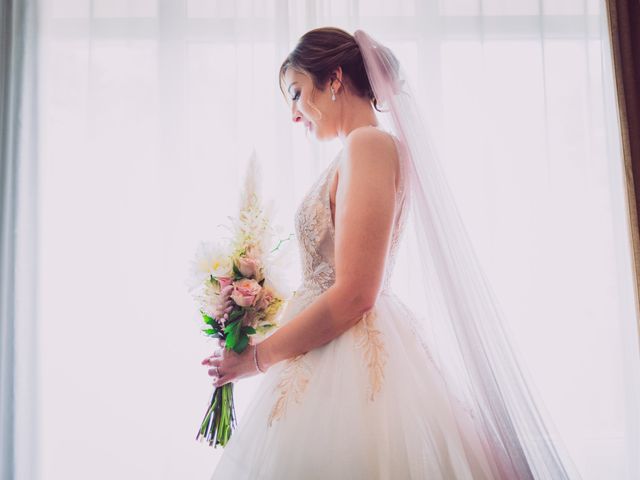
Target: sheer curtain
{"x": 18, "y": 235}
{"x": 149, "y": 110}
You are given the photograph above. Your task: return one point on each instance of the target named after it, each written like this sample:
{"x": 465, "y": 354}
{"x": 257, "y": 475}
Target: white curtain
{"x": 18, "y": 237}
{"x": 149, "y": 110}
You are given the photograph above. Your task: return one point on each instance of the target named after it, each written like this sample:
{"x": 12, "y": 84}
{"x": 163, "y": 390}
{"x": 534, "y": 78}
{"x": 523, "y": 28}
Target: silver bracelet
{"x": 255, "y": 358}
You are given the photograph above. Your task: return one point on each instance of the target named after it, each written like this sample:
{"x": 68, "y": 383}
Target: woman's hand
{"x": 227, "y": 365}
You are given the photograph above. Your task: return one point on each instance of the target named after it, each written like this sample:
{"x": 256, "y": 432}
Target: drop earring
{"x": 333, "y": 95}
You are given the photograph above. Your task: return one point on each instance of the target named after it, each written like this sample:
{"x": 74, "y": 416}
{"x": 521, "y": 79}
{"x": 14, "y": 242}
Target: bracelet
{"x": 255, "y": 358}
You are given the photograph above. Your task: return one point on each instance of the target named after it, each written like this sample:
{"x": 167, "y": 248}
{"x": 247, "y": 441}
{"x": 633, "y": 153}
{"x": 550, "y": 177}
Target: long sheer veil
{"x": 468, "y": 338}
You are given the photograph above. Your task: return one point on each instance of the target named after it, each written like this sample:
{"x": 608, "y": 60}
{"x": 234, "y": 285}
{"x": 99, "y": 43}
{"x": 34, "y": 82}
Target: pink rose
{"x": 264, "y": 298}
{"x": 245, "y": 292}
{"x": 249, "y": 266}
{"x": 224, "y": 281}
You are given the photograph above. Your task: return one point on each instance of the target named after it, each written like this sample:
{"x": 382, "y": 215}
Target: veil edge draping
{"x": 468, "y": 336}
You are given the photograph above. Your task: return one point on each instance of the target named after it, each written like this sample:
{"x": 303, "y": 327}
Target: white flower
{"x": 208, "y": 299}
{"x": 210, "y": 259}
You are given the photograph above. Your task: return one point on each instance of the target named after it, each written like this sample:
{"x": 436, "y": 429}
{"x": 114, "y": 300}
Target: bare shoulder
{"x": 369, "y": 148}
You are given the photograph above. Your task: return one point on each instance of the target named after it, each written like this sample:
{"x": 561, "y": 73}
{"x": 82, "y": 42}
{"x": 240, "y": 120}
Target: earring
{"x": 333, "y": 95}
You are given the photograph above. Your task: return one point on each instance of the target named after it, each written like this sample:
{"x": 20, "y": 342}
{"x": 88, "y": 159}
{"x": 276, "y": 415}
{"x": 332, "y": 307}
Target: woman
{"x": 352, "y": 388}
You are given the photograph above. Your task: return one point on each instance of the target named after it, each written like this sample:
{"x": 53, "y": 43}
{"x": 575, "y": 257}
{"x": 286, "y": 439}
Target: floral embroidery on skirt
{"x": 293, "y": 383}
{"x": 369, "y": 339}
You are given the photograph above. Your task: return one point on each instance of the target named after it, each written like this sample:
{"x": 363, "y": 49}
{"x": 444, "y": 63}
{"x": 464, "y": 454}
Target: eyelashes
{"x": 296, "y": 96}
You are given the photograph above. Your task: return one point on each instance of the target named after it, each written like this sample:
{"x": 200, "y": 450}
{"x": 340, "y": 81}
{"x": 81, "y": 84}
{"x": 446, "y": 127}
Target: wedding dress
{"x": 370, "y": 404}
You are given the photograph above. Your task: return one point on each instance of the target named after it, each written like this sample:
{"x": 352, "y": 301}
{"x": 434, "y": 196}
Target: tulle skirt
{"x": 370, "y": 404}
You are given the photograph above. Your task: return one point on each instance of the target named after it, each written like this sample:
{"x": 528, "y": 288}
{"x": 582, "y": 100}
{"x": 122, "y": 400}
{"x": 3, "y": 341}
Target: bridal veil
{"x": 464, "y": 324}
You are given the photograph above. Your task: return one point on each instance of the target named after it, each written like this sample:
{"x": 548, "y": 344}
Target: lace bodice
{"x": 316, "y": 232}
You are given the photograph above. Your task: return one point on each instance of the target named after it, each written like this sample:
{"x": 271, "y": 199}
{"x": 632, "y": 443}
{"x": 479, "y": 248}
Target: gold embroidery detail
{"x": 314, "y": 229}
{"x": 293, "y": 383}
{"x": 369, "y": 338}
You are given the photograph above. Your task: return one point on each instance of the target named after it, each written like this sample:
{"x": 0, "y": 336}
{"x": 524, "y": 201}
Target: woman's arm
{"x": 365, "y": 210}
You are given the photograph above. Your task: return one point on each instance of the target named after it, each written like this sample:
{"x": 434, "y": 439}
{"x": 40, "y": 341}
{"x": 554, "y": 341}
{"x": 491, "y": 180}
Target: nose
{"x": 296, "y": 117}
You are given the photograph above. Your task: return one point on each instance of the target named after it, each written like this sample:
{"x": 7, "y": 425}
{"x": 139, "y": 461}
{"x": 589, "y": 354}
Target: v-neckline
{"x": 329, "y": 182}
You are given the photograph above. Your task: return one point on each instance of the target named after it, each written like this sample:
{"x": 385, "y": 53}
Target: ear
{"x": 335, "y": 79}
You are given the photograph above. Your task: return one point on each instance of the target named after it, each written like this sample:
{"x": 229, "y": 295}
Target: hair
{"x": 322, "y": 50}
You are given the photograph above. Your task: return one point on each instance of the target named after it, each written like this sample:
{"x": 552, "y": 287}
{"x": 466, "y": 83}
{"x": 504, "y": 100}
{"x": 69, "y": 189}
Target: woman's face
{"x": 313, "y": 113}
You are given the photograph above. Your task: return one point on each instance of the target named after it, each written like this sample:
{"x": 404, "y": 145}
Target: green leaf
{"x": 231, "y": 340}
{"x": 235, "y": 314}
{"x": 209, "y": 331}
{"x": 232, "y": 330}
{"x": 207, "y": 319}
{"x": 242, "y": 344}
{"x": 228, "y": 328}
{"x": 237, "y": 272}
{"x": 248, "y": 330}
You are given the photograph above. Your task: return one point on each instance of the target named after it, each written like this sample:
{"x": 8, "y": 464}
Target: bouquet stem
{"x": 220, "y": 418}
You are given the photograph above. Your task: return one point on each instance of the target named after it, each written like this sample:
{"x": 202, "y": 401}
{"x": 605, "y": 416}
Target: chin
{"x": 317, "y": 134}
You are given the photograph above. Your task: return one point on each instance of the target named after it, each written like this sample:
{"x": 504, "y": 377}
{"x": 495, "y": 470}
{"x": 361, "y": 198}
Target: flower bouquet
{"x": 238, "y": 291}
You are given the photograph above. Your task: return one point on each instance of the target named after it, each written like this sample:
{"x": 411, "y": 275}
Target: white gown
{"x": 370, "y": 404}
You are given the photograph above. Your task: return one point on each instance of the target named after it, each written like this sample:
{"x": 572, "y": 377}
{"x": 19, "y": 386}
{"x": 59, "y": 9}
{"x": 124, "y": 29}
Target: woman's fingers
{"x": 217, "y": 353}
{"x": 220, "y": 377}
{"x": 214, "y": 361}
{"x": 220, "y": 381}
{"x": 225, "y": 377}
{"x": 224, "y": 365}
{"x": 207, "y": 361}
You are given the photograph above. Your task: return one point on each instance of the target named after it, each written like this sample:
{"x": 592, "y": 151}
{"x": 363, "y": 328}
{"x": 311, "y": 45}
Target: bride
{"x": 354, "y": 385}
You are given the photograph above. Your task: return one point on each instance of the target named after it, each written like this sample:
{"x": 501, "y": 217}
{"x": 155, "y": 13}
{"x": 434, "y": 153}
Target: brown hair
{"x": 322, "y": 50}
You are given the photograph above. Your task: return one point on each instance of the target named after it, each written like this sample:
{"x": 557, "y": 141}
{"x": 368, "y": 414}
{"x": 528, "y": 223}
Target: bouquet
{"x": 237, "y": 286}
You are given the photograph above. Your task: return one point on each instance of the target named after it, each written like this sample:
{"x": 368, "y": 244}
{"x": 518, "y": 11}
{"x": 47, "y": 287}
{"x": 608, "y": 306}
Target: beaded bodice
{"x": 316, "y": 232}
